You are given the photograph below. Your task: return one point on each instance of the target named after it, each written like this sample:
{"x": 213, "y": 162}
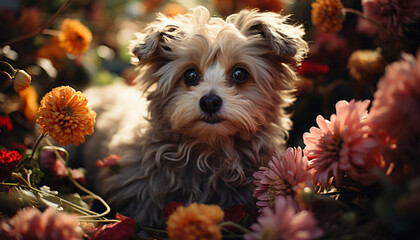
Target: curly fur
{"x": 173, "y": 155}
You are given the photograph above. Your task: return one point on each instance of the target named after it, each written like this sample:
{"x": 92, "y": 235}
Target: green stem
{"x": 27, "y": 160}
{"x": 10, "y": 67}
{"x": 328, "y": 199}
{"x": 41, "y": 29}
{"x": 70, "y": 177}
{"x": 235, "y": 225}
{"x": 377, "y": 24}
{"x": 153, "y": 229}
{"x": 74, "y": 206}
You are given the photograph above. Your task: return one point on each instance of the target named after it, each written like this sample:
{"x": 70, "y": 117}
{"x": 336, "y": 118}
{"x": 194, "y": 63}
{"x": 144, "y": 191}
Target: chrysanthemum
{"x": 327, "y": 15}
{"x": 344, "y": 145}
{"x": 395, "y": 108}
{"x": 30, "y": 223}
{"x": 393, "y": 15}
{"x": 282, "y": 177}
{"x": 285, "y": 222}
{"x": 66, "y": 116}
{"x": 366, "y": 65}
{"x": 8, "y": 162}
{"x": 74, "y": 38}
{"x": 197, "y": 221}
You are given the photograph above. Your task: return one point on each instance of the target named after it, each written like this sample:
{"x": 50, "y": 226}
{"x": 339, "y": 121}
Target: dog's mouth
{"x": 212, "y": 120}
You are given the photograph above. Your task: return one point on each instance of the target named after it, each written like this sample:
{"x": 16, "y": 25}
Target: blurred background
{"x": 325, "y": 74}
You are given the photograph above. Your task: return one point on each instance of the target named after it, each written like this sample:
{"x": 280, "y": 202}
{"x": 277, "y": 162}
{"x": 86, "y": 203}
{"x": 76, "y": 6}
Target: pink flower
{"x": 30, "y": 223}
{"x": 395, "y": 109}
{"x": 282, "y": 177}
{"x": 125, "y": 229}
{"x": 393, "y": 15}
{"x": 110, "y": 162}
{"x": 285, "y": 222}
{"x": 344, "y": 145}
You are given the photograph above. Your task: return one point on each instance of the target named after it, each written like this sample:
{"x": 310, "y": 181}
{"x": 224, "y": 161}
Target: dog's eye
{"x": 239, "y": 75}
{"x": 191, "y": 77}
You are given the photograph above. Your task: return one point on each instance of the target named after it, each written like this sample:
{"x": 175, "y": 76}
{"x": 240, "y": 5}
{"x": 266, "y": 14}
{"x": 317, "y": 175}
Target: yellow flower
{"x": 21, "y": 81}
{"x": 74, "y": 38}
{"x": 197, "y": 221}
{"x": 66, "y": 116}
{"x": 366, "y": 65}
{"x": 327, "y": 15}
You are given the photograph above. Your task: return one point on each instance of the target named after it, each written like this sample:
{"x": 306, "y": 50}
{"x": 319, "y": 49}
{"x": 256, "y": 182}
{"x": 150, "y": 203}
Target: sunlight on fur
{"x": 217, "y": 94}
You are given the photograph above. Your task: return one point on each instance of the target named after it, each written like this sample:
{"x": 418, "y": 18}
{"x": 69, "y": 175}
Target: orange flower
{"x": 366, "y": 65}
{"x": 29, "y": 102}
{"x": 327, "y": 15}
{"x": 197, "y": 221}
{"x": 75, "y": 38}
{"x": 66, "y": 116}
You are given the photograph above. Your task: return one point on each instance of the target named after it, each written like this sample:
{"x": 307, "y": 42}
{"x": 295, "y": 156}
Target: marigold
{"x": 366, "y": 65}
{"x": 74, "y": 38}
{"x": 8, "y": 162}
{"x": 327, "y": 15}
{"x": 197, "y": 221}
{"x": 66, "y": 116}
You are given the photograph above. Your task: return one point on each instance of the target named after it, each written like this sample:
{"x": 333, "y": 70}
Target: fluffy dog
{"x": 217, "y": 92}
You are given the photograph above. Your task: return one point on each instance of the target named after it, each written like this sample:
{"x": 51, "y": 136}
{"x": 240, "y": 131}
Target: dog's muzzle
{"x": 211, "y": 104}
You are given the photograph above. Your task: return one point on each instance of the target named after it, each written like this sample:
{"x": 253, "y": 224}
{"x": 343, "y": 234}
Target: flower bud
{"x": 21, "y": 81}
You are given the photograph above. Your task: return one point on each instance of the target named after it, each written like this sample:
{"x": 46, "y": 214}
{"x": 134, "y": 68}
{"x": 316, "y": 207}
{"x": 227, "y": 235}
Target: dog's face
{"x": 214, "y": 78}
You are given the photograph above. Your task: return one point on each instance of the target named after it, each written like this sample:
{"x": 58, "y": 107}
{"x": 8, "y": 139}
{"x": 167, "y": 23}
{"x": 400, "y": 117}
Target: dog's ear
{"x": 281, "y": 37}
{"x": 156, "y": 38}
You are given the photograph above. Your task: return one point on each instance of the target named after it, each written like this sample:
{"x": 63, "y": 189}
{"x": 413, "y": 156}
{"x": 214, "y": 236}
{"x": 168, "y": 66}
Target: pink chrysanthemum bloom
{"x": 282, "y": 177}
{"x": 344, "y": 145}
{"x": 394, "y": 114}
{"x": 285, "y": 222}
{"x": 393, "y": 15}
{"x": 30, "y": 223}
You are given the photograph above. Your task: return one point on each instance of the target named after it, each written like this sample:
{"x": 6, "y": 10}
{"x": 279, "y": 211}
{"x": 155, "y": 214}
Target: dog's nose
{"x": 210, "y": 103}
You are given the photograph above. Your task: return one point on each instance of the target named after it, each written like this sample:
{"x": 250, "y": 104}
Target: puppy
{"x": 216, "y": 96}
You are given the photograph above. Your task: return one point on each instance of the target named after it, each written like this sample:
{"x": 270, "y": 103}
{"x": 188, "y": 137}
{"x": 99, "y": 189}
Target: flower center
{"x": 67, "y": 110}
{"x": 278, "y": 187}
{"x": 331, "y": 144}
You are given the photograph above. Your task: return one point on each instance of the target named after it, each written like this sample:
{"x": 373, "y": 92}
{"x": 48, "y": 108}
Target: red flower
{"x": 5, "y": 123}
{"x": 125, "y": 229}
{"x": 21, "y": 148}
{"x": 8, "y": 162}
{"x": 312, "y": 68}
{"x": 170, "y": 208}
{"x": 234, "y": 213}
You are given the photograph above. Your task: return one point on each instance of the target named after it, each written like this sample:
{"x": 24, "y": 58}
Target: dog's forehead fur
{"x": 255, "y": 40}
